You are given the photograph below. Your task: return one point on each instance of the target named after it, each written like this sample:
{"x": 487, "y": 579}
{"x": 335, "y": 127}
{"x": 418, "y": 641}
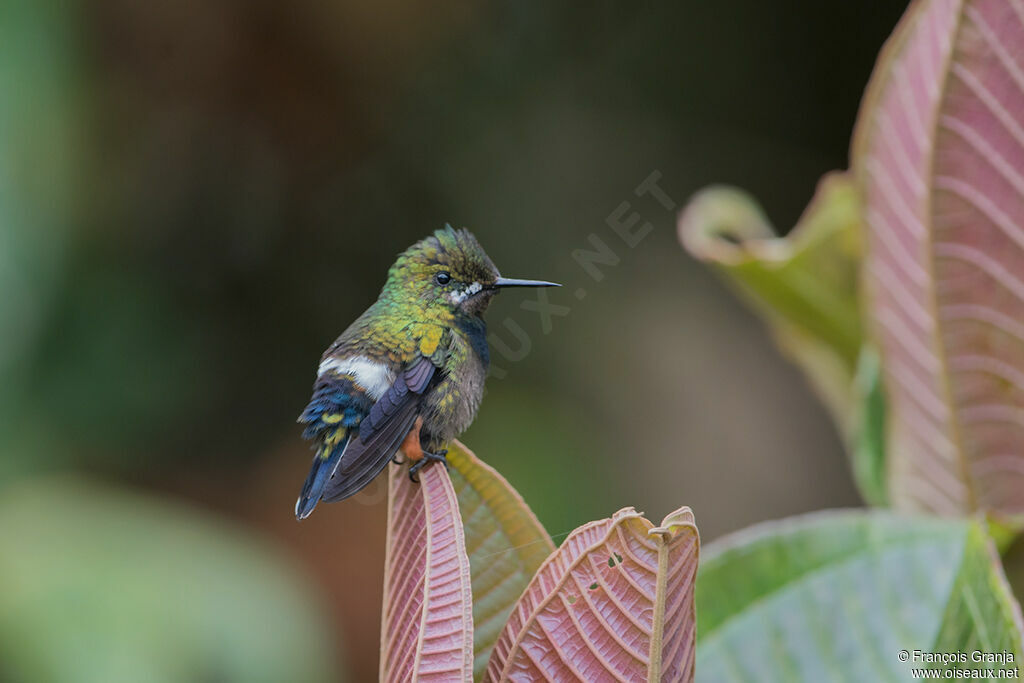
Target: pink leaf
{"x": 615, "y": 602}
{"x": 939, "y": 157}
{"x": 427, "y": 625}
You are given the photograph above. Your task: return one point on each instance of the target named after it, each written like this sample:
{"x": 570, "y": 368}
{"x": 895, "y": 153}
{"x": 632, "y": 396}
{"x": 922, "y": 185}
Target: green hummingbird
{"x": 407, "y": 376}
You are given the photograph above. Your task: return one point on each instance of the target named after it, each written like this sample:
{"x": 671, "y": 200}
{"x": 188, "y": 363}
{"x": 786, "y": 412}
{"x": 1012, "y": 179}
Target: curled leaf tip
{"x": 670, "y": 526}
{"x": 627, "y": 513}
{"x": 724, "y": 224}
{"x": 805, "y": 285}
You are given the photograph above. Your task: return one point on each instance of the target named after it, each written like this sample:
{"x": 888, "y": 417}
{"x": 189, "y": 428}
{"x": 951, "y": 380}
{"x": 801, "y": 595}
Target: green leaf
{"x": 1013, "y": 553}
{"x": 867, "y": 439}
{"x": 100, "y": 585}
{"x": 835, "y": 597}
{"x": 805, "y": 284}
{"x": 505, "y": 542}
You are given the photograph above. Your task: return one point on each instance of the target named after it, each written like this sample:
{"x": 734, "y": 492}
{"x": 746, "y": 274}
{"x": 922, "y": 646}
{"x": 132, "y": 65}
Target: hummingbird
{"x": 407, "y": 376}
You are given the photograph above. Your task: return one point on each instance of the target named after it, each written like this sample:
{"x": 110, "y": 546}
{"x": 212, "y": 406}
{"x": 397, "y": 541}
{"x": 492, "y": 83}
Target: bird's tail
{"x": 325, "y": 462}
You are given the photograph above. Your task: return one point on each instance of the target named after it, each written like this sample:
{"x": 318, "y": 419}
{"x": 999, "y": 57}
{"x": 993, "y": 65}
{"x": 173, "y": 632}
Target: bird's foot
{"x": 428, "y": 457}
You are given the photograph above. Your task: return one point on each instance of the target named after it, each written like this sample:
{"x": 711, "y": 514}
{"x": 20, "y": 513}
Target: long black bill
{"x": 513, "y": 282}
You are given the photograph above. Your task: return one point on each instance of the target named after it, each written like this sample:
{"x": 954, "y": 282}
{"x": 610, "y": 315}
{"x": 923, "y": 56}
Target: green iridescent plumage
{"x": 409, "y": 373}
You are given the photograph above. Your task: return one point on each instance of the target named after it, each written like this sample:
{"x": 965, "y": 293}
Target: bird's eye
{"x": 442, "y": 278}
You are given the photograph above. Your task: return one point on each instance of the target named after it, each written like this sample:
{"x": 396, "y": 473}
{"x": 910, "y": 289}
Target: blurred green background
{"x": 197, "y": 197}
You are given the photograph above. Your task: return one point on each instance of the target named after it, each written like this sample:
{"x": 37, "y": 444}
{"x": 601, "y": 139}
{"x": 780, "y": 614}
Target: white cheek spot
{"x": 375, "y": 378}
{"x": 458, "y": 296}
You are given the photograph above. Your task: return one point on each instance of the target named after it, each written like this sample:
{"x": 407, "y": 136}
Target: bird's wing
{"x": 382, "y": 431}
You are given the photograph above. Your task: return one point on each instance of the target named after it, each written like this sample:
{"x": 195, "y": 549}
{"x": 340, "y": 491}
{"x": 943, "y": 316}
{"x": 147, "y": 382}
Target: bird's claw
{"x": 428, "y": 457}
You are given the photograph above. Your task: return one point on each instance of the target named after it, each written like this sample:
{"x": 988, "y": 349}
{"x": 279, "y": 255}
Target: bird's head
{"x": 448, "y": 274}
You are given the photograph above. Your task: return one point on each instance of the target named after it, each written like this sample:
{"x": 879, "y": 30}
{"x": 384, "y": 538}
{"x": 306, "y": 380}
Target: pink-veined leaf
{"x": 427, "y": 624}
{"x": 939, "y": 157}
{"x": 505, "y": 542}
{"x": 614, "y": 602}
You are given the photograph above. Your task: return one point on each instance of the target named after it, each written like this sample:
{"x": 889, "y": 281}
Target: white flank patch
{"x": 372, "y": 376}
{"x": 459, "y": 296}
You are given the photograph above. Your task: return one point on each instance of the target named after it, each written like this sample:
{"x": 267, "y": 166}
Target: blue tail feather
{"x": 319, "y": 474}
